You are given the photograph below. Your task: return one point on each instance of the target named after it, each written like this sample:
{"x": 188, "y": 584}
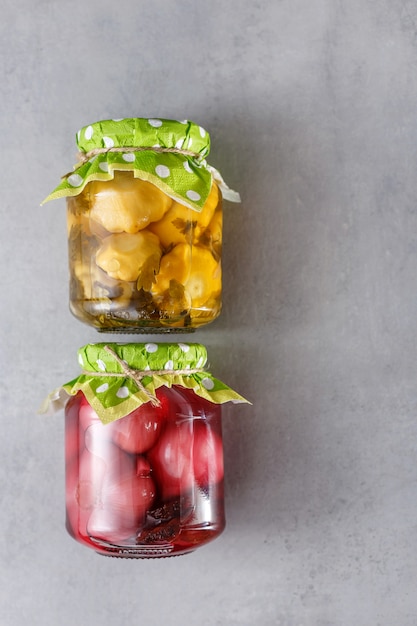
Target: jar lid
{"x": 118, "y": 378}
{"x": 167, "y": 153}
{"x": 107, "y": 357}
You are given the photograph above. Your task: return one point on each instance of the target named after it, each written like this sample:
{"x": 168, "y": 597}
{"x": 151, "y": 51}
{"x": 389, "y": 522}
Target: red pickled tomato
{"x": 97, "y": 439}
{"x": 138, "y": 431}
{"x": 84, "y": 477}
{"x": 129, "y": 496}
{"x": 186, "y": 453}
{"x": 126, "y": 497}
{"x": 108, "y": 491}
{"x": 127, "y": 489}
{"x": 87, "y": 474}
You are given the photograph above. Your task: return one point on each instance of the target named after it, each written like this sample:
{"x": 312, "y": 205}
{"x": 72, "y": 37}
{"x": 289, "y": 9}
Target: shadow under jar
{"x": 149, "y": 484}
{"x": 140, "y": 261}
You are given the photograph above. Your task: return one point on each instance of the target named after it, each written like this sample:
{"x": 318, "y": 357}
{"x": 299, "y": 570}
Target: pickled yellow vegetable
{"x": 126, "y": 204}
{"x": 174, "y": 303}
{"x": 182, "y": 225}
{"x": 205, "y": 279}
{"x": 193, "y": 267}
{"x": 175, "y": 265}
{"x": 131, "y": 257}
{"x": 212, "y": 236}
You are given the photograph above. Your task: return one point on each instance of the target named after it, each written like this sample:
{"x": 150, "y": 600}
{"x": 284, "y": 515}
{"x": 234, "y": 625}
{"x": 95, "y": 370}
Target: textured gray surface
{"x": 311, "y": 105}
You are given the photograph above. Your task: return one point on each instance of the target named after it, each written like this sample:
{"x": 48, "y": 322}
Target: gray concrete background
{"x": 311, "y": 105}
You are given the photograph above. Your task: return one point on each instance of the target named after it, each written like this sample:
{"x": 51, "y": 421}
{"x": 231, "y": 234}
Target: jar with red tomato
{"x": 144, "y": 450}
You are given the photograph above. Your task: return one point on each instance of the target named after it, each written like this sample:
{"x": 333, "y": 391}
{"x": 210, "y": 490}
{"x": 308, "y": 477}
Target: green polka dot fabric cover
{"x": 117, "y": 395}
{"x": 181, "y": 172}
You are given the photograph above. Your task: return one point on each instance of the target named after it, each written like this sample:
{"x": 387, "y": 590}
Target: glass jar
{"x": 143, "y": 449}
{"x": 149, "y": 484}
{"x": 144, "y": 215}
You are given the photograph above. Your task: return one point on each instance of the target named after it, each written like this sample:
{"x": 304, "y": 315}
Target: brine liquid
{"x": 147, "y": 485}
{"x": 139, "y": 261}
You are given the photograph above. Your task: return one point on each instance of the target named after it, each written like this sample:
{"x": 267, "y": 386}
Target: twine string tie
{"x": 83, "y": 157}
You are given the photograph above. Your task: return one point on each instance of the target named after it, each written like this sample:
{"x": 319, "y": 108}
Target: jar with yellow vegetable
{"x": 144, "y": 226}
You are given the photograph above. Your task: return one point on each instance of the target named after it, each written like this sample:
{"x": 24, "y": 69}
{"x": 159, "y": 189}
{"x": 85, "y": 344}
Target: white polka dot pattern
{"x": 187, "y": 180}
